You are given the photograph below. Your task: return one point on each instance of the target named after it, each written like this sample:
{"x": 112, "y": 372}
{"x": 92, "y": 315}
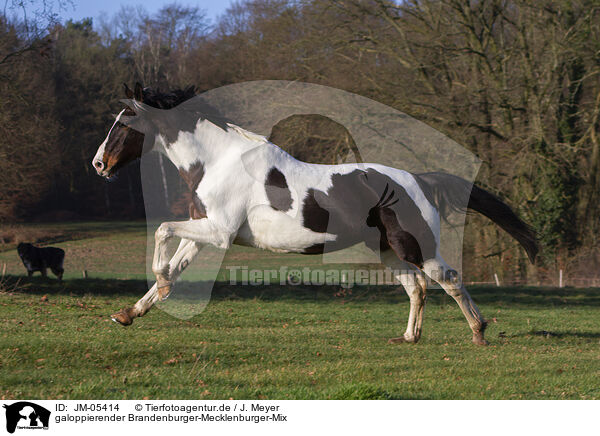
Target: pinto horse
{"x": 285, "y": 205}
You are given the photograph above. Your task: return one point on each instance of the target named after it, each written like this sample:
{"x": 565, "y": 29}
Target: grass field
{"x": 280, "y": 342}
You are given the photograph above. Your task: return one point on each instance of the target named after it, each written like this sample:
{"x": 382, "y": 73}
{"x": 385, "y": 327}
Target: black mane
{"x": 188, "y": 117}
{"x": 167, "y": 100}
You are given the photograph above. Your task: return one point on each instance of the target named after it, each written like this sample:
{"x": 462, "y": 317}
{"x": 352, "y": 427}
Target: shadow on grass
{"x": 558, "y": 334}
{"x": 516, "y": 296}
{"x": 102, "y": 287}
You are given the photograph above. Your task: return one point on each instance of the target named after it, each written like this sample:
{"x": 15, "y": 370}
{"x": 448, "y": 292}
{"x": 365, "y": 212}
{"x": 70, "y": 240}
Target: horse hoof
{"x": 478, "y": 340}
{"x": 398, "y": 340}
{"x": 478, "y": 335}
{"x": 123, "y": 317}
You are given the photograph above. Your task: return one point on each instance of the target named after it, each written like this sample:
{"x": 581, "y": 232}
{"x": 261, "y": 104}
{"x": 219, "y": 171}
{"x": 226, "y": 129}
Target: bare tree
{"x": 32, "y": 21}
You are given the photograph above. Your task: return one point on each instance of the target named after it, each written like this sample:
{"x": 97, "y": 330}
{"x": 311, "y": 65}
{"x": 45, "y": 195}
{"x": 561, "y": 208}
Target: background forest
{"x": 516, "y": 82}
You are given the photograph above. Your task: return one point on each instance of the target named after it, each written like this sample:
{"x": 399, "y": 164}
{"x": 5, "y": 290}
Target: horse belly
{"x": 276, "y": 231}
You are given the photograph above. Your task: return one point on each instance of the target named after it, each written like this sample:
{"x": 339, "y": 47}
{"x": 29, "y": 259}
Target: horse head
{"x": 123, "y": 143}
{"x": 134, "y": 131}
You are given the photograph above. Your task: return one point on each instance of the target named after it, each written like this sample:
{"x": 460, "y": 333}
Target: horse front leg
{"x": 196, "y": 233}
{"x": 202, "y": 231}
{"x": 186, "y": 252}
{"x": 160, "y": 264}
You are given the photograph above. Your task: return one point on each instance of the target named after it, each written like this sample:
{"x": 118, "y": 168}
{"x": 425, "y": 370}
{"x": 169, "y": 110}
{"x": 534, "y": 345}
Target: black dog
{"x": 38, "y": 259}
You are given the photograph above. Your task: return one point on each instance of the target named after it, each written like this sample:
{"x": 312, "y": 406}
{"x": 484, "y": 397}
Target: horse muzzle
{"x": 101, "y": 168}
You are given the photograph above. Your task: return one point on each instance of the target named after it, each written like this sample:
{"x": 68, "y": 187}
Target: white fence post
{"x": 560, "y": 279}
{"x": 497, "y": 280}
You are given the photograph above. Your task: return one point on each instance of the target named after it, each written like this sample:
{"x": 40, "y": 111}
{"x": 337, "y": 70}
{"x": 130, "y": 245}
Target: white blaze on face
{"x": 99, "y": 157}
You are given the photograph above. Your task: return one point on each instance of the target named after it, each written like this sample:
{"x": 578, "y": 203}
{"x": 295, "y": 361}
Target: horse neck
{"x": 208, "y": 144}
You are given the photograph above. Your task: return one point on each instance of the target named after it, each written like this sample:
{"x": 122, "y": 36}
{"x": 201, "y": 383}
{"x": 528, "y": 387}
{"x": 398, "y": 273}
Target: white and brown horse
{"x": 286, "y": 205}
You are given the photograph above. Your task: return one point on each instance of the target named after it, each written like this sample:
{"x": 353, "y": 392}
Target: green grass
{"x": 120, "y": 250}
{"x": 289, "y": 342}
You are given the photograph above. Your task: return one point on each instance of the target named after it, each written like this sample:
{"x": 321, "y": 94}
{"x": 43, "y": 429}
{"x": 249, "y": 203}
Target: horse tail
{"x": 451, "y": 193}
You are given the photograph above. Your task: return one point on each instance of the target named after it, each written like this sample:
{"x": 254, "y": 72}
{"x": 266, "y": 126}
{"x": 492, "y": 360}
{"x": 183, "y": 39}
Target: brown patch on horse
{"x": 278, "y": 192}
{"x": 192, "y": 177}
{"x": 393, "y": 236}
{"x": 315, "y": 217}
{"x": 196, "y": 213}
{"x": 361, "y": 206}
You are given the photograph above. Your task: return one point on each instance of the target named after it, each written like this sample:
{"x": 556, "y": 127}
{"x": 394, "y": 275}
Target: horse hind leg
{"x": 413, "y": 281}
{"x": 401, "y": 251}
{"x": 415, "y": 286}
{"x": 450, "y": 281}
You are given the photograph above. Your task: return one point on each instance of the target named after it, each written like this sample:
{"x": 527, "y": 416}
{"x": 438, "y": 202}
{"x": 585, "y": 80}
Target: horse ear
{"x": 128, "y": 92}
{"x": 139, "y": 92}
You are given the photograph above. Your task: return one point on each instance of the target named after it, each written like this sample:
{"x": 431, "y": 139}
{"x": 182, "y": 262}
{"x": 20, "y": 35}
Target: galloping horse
{"x": 286, "y": 205}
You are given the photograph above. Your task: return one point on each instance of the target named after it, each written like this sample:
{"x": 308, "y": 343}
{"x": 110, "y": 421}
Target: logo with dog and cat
{"x": 25, "y": 415}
